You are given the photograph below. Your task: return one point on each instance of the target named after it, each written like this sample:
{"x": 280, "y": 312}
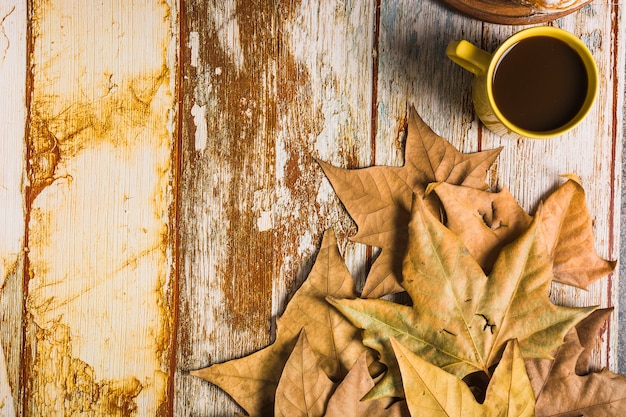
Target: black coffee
{"x": 540, "y": 84}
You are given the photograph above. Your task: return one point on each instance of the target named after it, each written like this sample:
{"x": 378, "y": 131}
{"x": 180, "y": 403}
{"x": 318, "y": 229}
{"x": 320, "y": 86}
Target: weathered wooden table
{"x": 160, "y": 198}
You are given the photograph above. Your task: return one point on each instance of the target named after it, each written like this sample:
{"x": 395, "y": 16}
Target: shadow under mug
{"x": 485, "y": 67}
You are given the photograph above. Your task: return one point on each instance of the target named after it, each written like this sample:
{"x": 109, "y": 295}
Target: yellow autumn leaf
{"x": 432, "y": 392}
{"x": 461, "y": 319}
{"x": 486, "y": 221}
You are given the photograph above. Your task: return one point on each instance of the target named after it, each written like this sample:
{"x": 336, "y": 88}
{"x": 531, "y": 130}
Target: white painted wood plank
{"x": 100, "y": 168}
{"x": 316, "y": 90}
{"x": 532, "y": 168}
{"x": 276, "y": 86}
{"x": 415, "y": 70}
{"x": 13, "y": 23}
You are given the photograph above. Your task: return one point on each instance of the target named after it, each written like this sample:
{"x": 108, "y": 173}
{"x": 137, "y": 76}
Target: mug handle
{"x": 468, "y": 56}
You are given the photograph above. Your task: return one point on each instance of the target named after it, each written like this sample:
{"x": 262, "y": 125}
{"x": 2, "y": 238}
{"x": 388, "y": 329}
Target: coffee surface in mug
{"x": 540, "y": 84}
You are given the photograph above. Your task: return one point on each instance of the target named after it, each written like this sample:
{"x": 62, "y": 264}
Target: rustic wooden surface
{"x": 159, "y": 192}
{"x": 13, "y": 50}
{"x": 97, "y": 323}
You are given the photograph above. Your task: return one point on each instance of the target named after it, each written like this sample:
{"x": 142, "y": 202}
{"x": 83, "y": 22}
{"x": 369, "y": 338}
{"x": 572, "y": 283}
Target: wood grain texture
{"x": 167, "y": 195}
{"x": 99, "y": 169}
{"x": 532, "y": 169}
{"x": 268, "y": 87}
{"x": 13, "y": 27}
{"x": 408, "y": 66}
{"x": 414, "y": 68}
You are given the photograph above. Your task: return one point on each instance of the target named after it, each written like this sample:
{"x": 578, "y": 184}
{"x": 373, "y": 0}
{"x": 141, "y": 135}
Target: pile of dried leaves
{"x": 481, "y": 336}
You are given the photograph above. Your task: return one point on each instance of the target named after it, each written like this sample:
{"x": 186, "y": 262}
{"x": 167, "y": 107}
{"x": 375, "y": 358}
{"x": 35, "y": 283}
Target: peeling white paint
{"x": 334, "y": 74}
{"x": 325, "y": 192}
{"x": 282, "y": 156}
{"x": 306, "y": 244}
{"x": 225, "y": 20}
{"x": 335, "y": 115}
{"x": 194, "y": 46}
{"x": 264, "y": 222}
{"x": 262, "y": 204}
{"x": 199, "y": 120}
{"x": 279, "y": 293}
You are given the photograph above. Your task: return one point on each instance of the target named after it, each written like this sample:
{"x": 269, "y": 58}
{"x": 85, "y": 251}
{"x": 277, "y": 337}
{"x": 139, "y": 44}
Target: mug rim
{"x": 582, "y": 51}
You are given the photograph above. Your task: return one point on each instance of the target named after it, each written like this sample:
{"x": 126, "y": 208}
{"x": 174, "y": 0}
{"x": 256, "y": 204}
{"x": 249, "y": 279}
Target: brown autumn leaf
{"x": 461, "y": 319}
{"x": 251, "y": 381}
{"x": 568, "y": 228}
{"x": 346, "y": 400}
{"x": 432, "y": 392}
{"x": 565, "y": 387}
{"x": 303, "y": 389}
{"x": 379, "y": 198}
{"x": 589, "y": 331}
{"x": 582, "y": 337}
{"x": 484, "y": 221}
{"x": 487, "y": 221}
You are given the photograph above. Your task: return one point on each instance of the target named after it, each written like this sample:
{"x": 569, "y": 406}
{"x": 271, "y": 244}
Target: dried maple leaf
{"x": 303, "y": 389}
{"x": 487, "y": 221}
{"x": 565, "y": 387}
{"x": 251, "y": 381}
{"x": 461, "y": 319}
{"x": 379, "y": 198}
{"x": 346, "y": 400}
{"x": 430, "y": 391}
{"x": 484, "y": 221}
{"x": 568, "y": 229}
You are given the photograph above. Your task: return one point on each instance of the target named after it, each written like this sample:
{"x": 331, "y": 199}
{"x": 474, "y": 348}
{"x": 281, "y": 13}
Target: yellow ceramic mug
{"x": 540, "y": 83}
